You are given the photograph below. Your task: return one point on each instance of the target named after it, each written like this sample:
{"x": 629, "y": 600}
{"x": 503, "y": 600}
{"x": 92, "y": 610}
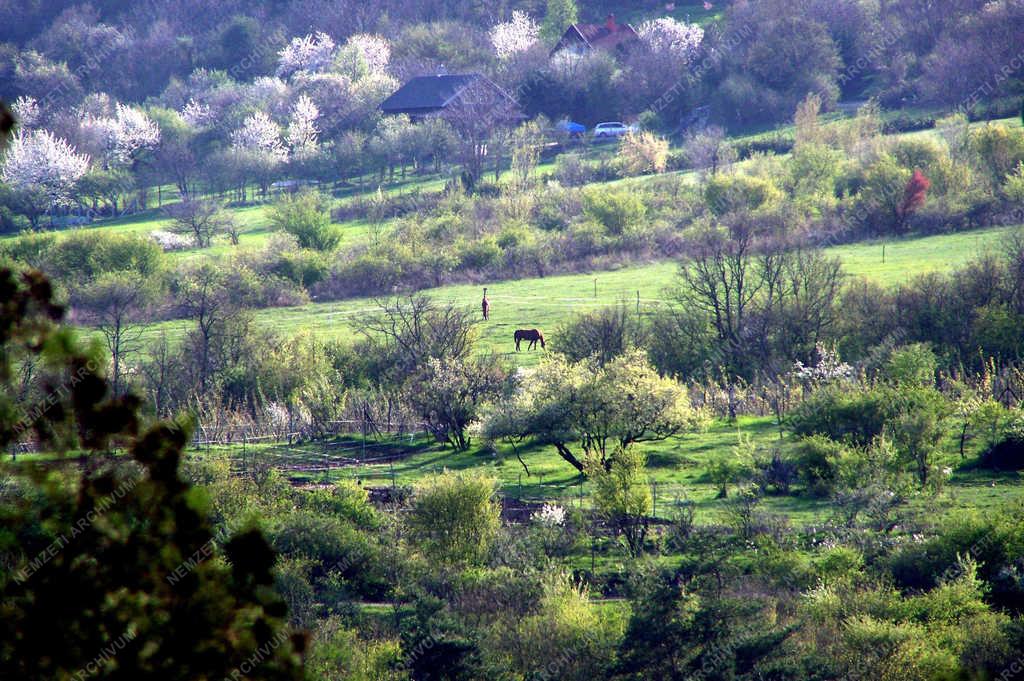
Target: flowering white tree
{"x": 673, "y": 38}
{"x": 374, "y": 50}
{"x": 257, "y": 151}
{"x": 26, "y": 111}
{"x": 259, "y": 133}
{"x": 196, "y": 114}
{"x": 515, "y": 36}
{"x": 39, "y": 161}
{"x": 302, "y": 130}
{"x": 312, "y": 53}
{"x": 121, "y": 137}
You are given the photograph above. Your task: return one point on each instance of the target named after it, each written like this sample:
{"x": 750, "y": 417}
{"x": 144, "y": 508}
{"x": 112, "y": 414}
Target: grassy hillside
{"x": 544, "y": 302}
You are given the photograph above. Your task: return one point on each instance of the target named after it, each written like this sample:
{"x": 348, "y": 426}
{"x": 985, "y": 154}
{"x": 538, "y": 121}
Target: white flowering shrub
{"x": 311, "y": 54}
{"x": 169, "y": 241}
{"x": 828, "y": 368}
{"x": 677, "y": 39}
{"x": 550, "y": 515}
{"x": 38, "y": 160}
{"x": 515, "y": 36}
{"x": 26, "y": 111}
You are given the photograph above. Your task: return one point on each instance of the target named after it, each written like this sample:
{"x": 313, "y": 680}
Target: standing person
{"x": 485, "y": 305}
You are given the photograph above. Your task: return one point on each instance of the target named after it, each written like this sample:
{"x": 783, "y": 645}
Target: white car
{"x": 612, "y": 129}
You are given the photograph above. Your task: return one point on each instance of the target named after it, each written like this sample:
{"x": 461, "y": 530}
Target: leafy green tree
{"x": 617, "y": 211}
{"x": 557, "y": 17}
{"x": 918, "y": 426}
{"x": 657, "y": 642}
{"x": 116, "y": 572}
{"x": 881, "y": 193}
{"x": 601, "y": 408}
{"x": 306, "y": 217}
{"x": 564, "y": 637}
{"x": 912, "y": 365}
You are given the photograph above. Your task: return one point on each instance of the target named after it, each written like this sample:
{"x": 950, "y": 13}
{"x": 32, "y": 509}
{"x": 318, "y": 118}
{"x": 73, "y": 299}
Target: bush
{"x": 818, "y": 462}
{"x": 572, "y": 171}
{"x": 843, "y": 414}
{"x": 454, "y": 517}
{"x": 305, "y": 216}
{"x": 617, "y": 211}
{"x": 345, "y": 500}
{"x": 726, "y": 193}
{"x": 334, "y": 547}
{"x": 643, "y": 152}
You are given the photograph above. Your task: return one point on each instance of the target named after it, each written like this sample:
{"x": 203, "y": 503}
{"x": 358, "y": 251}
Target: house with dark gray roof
{"x": 426, "y": 95}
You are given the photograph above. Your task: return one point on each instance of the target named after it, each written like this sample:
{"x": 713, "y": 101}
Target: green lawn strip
{"x": 545, "y": 302}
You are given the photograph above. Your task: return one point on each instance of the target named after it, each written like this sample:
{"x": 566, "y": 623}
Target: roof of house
{"x": 608, "y": 35}
{"x": 427, "y": 92}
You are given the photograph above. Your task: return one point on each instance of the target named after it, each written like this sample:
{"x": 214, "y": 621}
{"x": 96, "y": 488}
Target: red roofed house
{"x": 609, "y": 36}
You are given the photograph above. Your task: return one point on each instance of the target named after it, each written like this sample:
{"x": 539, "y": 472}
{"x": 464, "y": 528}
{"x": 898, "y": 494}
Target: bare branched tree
{"x": 412, "y": 330}
{"x": 202, "y": 220}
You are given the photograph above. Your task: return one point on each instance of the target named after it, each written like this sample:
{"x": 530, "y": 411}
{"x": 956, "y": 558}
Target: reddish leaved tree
{"x": 914, "y": 195}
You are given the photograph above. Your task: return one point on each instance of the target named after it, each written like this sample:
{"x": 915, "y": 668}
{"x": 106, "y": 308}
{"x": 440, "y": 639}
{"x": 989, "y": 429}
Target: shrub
{"x": 572, "y": 171}
{"x": 1013, "y": 188}
{"x": 911, "y": 365}
{"x": 643, "y": 152}
{"x": 345, "y": 500}
{"x": 818, "y": 461}
{"x": 305, "y": 216}
{"x": 454, "y": 517}
{"x": 334, "y": 546}
{"x": 843, "y": 414}
{"x": 621, "y": 495}
{"x": 726, "y": 193}
{"x": 617, "y": 211}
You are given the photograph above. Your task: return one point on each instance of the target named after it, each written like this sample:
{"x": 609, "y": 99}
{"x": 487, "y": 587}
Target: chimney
{"x": 610, "y": 23}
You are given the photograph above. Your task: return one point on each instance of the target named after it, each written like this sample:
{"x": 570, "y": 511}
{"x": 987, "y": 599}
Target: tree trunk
{"x": 564, "y": 452}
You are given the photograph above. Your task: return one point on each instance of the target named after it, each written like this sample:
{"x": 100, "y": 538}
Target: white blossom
{"x": 259, "y": 133}
{"x": 828, "y": 368}
{"x": 312, "y": 53}
{"x": 675, "y": 38}
{"x": 515, "y": 36}
{"x": 196, "y": 114}
{"x": 550, "y": 515}
{"x": 38, "y": 160}
{"x": 125, "y": 134}
{"x": 26, "y": 111}
{"x": 374, "y": 50}
{"x": 170, "y": 241}
{"x": 278, "y": 417}
{"x": 302, "y": 130}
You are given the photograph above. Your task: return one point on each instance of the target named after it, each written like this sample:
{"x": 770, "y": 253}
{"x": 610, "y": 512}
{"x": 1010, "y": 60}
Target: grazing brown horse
{"x": 532, "y": 335}
{"x": 486, "y": 306}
